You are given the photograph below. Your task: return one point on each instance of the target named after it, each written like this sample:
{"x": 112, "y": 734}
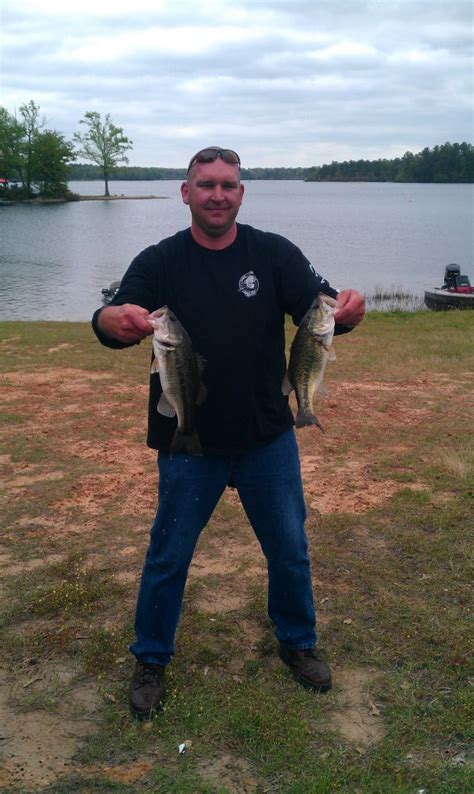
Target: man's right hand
{"x": 126, "y": 323}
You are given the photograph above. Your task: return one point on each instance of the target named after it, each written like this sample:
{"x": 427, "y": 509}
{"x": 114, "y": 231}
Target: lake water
{"x": 54, "y": 260}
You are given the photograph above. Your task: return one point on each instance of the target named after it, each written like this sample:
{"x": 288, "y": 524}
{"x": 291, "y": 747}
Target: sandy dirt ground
{"x": 364, "y": 422}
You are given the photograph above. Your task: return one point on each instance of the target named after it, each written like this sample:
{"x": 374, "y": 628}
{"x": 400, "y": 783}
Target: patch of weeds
{"x": 68, "y": 597}
{"x": 33, "y": 341}
{"x": 18, "y": 507}
{"x": 77, "y": 784}
{"x": 390, "y": 606}
{"x": 65, "y": 588}
{"x": 458, "y": 463}
{"x": 414, "y": 499}
{"x": 264, "y": 718}
{"x": 25, "y": 449}
{"x": 326, "y": 779}
{"x": 256, "y": 606}
{"x": 106, "y": 650}
{"x": 195, "y": 708}
{"x": 386, "y": 769}
{"x": 403, "y": 476}
{"x": 206, "y": 655}
{"x": 183, "y": 780}
{"x": 254, "y": 667}
{"x": 217, "y": 638}
{"x": 225, "y": 512}
{"x": 11, "y": 419}
{"x": 395, "y": 468}
{"x": 120, "y": 738}
{"x": 266, "y": 645}
{"x": 40, "y": 642}
{"x": 47, "y": 699}
{"x": 428, "y": 709}
{"x": 24, "y": 552}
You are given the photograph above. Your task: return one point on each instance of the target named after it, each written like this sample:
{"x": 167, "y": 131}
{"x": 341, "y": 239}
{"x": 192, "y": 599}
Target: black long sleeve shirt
{"x": 232, "y": 303}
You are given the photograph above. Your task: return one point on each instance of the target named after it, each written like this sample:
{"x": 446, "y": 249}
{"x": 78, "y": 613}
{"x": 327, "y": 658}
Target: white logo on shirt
{"x": 318, "y": 275}
{"x": 248, "y": 284}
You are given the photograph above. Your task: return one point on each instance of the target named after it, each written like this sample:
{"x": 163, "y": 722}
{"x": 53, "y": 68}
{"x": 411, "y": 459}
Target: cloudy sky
{"x": 284, "y": 82}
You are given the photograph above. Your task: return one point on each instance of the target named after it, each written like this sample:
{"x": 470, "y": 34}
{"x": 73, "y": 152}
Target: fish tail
{"x": 307, "y": 419}
{"x": 185, "y": 442}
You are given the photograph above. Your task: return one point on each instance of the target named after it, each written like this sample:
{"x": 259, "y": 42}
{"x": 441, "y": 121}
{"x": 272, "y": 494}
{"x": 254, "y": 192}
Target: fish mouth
{"x": 166, "y": 344}
{"x": 323, "y": 298}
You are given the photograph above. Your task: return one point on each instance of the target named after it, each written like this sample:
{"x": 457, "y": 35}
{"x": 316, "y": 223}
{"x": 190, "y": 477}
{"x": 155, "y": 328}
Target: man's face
{"x": 214, "y": 194}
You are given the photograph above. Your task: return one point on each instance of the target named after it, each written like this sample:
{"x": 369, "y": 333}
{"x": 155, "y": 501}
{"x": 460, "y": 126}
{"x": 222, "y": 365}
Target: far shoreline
{"x": 7, "y": 202}
{"x": 118, "y": 198}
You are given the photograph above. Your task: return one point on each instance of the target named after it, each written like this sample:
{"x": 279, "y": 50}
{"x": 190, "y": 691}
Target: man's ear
{"x": 185, "y": 192}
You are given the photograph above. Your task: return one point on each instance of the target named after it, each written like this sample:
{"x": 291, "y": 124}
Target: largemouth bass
{"x": 309, "y": 354}
{"x": 180, "y": 375}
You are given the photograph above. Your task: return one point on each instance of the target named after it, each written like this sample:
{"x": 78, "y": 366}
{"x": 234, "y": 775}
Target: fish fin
{"x": 321, "y": 389}
{"x": 286, "y": 385}
{"x": 307, "y": 420}
{"x": 155, "y": 367}
{"x": 202, "y": 394}
{"x": 165, "y": 408}
{"x": 331, "y": 354}
{"x": 185, "y": 442}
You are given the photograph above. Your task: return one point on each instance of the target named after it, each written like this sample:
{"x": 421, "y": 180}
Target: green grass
{"x": 393, "y": 582}
{"x": 66, "y": 589}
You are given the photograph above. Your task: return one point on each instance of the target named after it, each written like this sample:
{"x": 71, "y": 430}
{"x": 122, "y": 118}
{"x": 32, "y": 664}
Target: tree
{"x": 51, "y": 156}
{"x": 36, "y": 158}
{"x": 104, "y": 144}
{"x": 12, "y": 133}
{"x": 32, "y": 126}
{"x": 17, "y": 140}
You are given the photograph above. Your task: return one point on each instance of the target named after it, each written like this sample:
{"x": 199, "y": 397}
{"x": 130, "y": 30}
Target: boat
{"x": 455, "y": 293}
{"x": 110, "y": 292}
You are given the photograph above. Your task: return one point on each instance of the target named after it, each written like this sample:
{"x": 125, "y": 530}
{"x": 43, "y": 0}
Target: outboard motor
{"x": 450, "y": 275}
{"x": 110, "y": 292}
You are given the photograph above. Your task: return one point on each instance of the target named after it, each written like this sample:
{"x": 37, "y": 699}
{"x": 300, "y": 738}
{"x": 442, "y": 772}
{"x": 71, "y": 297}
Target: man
{"x": 230, "y": 286}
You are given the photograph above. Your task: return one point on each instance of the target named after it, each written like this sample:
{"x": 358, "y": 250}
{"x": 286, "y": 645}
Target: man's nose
{"x": 217, "y": 193}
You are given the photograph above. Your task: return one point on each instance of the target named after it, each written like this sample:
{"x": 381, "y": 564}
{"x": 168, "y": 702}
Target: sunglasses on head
{"x": 212, "y": 153}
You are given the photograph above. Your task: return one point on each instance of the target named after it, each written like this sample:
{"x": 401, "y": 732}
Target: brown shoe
{"x": 309, "y": 667}
{"x": 147, "y": 690}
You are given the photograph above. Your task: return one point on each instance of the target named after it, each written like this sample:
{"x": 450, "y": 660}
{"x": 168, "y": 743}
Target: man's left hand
{"x": 350, "y": 308}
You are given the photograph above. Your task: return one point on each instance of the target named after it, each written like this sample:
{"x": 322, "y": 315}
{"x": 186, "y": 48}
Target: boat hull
{"x": 442, "y": 299}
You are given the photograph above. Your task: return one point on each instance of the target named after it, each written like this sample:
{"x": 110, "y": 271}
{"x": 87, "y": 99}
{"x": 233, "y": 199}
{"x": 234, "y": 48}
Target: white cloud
{"x": 178, "y": 40}
{"x": 315, "y": 81}
{"x": 344, "y": 49}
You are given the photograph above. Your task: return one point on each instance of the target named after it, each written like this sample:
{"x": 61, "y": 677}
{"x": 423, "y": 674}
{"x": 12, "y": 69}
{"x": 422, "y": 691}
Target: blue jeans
{"x": 268, "y": 482}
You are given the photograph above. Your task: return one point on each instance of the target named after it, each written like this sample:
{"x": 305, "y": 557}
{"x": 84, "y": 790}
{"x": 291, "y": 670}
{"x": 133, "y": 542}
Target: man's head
{"x": 214, "y": 193}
